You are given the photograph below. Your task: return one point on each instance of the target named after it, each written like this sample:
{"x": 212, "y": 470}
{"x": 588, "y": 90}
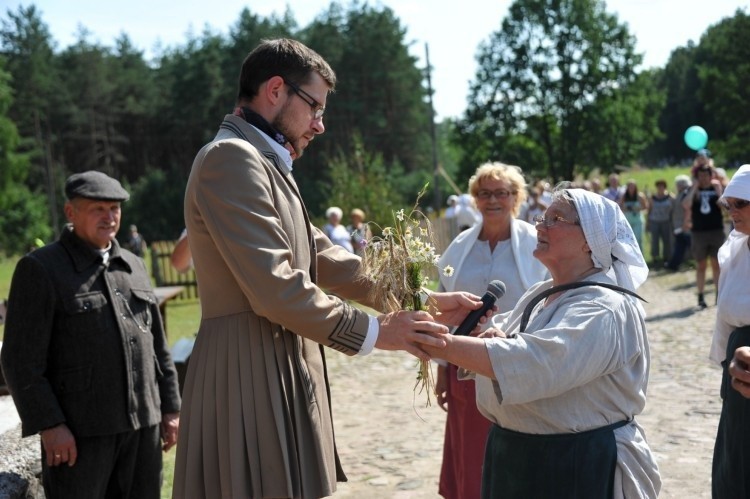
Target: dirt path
{"x": 390, "y": 451}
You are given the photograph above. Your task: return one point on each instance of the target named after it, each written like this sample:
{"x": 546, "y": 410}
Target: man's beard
{"x": 280, "y": 123}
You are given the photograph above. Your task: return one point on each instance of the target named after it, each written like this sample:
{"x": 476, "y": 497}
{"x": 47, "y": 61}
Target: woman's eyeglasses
{"x": 499, "y": 194}
{"x": 737, "y": 204}
{"x": 553, "y": 220}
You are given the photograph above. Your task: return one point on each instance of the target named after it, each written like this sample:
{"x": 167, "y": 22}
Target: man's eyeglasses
{"x": 317, "y": 107}
{"x": 737, "y": 204}
{"x": 550, "y": 221}
{"x": 499, "y": 194}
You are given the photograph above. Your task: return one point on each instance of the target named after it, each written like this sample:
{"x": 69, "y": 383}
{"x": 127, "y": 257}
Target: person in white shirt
{"x": 337, "y": 233}
{"x": 613, "y": 190}
{"x": 731, "y": 464}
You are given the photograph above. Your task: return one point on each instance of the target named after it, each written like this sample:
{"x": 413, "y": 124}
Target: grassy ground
{"x": 183, "y": 318}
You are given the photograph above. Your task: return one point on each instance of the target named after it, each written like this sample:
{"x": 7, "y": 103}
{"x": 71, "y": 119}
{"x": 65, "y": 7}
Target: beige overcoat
{"x": 256, "y": 419}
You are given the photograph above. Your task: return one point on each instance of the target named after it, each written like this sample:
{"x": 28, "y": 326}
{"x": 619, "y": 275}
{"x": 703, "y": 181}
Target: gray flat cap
{"x": 94, "y": 185}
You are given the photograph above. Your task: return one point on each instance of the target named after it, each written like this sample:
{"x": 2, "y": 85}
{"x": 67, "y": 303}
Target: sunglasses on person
{"x": 737, "y": 204}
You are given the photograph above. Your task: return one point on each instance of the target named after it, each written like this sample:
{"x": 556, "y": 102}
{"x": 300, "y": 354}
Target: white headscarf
{"x": 608, "y": 234}
{"x": 739, "y": 187}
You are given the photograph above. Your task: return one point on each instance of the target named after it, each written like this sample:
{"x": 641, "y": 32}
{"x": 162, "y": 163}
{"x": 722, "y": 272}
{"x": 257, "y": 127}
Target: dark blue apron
{"x": 730, "y": 476}
{"x": 560, "y": 466}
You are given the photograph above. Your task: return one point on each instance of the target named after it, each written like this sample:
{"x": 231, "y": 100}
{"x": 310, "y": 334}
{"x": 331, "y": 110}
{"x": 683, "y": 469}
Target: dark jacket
{"x": 84, "y": 342}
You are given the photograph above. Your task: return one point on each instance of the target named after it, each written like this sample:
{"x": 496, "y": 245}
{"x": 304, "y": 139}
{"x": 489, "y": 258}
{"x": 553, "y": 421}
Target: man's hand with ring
{"x": 59, "y": 445}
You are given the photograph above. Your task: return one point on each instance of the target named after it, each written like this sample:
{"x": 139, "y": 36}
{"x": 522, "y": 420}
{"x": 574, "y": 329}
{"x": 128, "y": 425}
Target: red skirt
{"x": 465, "y": 438}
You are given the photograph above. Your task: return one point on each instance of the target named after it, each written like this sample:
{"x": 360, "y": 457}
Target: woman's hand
{"x": 738, "y": 370}
{"x": 491, "y": 332}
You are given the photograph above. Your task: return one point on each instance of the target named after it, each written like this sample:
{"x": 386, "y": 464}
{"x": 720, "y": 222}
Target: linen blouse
{"x": 733, "y": 303}
{"x": 482, "y": 265}
{"x": 582, "y": 363}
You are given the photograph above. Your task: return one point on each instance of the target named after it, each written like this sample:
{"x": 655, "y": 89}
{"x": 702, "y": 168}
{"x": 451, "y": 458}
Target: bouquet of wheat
{"x": 396, "y": 264}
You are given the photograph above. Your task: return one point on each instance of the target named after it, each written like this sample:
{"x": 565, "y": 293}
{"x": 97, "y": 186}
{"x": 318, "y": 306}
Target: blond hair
{"x": 507, "y": 173}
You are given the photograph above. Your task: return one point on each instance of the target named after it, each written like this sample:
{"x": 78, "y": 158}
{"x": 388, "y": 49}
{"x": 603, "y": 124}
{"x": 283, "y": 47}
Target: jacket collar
{"x": 243, "y": 130}
{"x": 83, "y": 256}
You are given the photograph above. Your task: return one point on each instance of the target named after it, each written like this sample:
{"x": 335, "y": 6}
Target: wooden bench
{"x": 166, "y": 275}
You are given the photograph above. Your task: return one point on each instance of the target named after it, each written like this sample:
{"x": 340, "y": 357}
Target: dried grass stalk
{"x": 395, "y": 264}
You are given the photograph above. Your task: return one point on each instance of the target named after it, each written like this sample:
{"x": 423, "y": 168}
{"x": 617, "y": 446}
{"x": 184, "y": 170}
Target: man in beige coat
{"x": 256, "y": 418}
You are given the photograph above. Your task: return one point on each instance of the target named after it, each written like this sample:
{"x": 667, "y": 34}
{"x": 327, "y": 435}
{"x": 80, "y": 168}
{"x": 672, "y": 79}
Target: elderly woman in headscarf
{"x": 564, "y": 375}
{"x": 731, "y": 465}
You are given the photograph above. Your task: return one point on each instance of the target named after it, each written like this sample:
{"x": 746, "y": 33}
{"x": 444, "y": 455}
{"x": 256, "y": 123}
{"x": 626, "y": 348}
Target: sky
{"x": 451, "y": 29}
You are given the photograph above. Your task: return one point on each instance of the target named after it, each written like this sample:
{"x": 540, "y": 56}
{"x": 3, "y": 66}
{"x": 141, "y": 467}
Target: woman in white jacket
{"x": 497, "y": 248}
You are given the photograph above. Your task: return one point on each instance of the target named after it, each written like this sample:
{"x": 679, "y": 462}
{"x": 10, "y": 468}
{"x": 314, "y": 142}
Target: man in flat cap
{"x": 85, "y": 355}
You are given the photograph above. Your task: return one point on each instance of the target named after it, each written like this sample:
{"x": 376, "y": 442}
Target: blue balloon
{"x": 696, "y": 137}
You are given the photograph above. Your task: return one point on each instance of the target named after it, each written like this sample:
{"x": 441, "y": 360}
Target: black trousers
{"x": 124, "y": 465}
{"x": 730, "y": 476}
{"x": 560, "y": 466}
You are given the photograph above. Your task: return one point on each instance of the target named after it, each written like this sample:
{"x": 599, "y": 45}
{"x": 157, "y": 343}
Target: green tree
{"x": 682, "y": 108}
{"x": 155, "y": 205}
{"x": 196, "y": 97}
{"x": 27, "y": 46}
{"x": 245, "y": 35}
{"x": 626, "y": 123}
{"x": 380, "y": 95}
{"x": 24, "y": 214}
{"x": 198, "y": 83}
{"x": 541, "y": 74}
{"x": 134, "y": 99}
{"x": 723, "y": 67}
{"x": 359, "y": 179}
{"x": 88, "y": 133}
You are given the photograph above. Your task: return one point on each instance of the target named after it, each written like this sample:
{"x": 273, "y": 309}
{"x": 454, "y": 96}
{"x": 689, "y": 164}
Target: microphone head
{"x": 496, "y": 288}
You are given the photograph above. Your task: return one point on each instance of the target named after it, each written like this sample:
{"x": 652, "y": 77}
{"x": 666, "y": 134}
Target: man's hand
{"x": 408, "y": 331}
{"x": 170, "y": 424}
{"x": 738, "y": 370}
{"x": 59, "y": 445}
{"x": 452, "y": 308}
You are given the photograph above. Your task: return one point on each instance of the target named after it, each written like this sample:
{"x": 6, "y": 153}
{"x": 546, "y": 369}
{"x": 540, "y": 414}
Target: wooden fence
{"x": 166, "y": 275}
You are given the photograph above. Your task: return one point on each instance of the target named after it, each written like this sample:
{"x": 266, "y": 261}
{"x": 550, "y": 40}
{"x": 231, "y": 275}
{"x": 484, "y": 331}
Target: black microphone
{"x": 495, "y": 291}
